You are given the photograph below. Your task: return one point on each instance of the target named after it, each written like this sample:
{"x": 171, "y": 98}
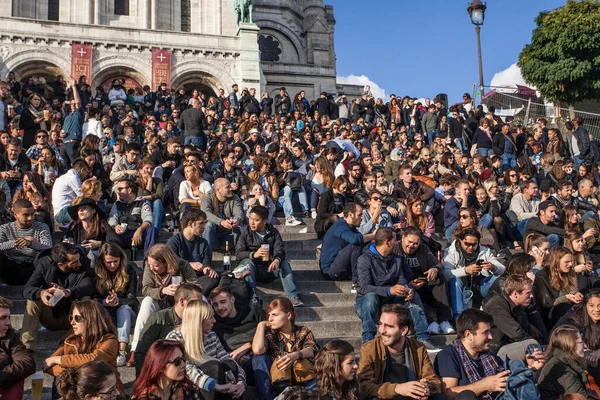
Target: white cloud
{"x": 363, "y": 80}
{"x": 511, "y": 76}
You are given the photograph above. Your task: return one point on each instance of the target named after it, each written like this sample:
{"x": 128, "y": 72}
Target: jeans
{"x": 286, "y": 196}
{"x": 148, "y": 307}
{"x": 554, "y": 240}
{"x": 314, "y": 198}
{"x": 485, "y": 152}
{"x": 125, "y": 318}
{"x": 589, "y": 214}
{"x": 521, "y": 227}
{"x": 486, "y": 221}
{"x": 368, "y": 308}
{"x": 149, "y": 237}
{"x": 457, "y": 287}
{"x": 216, "y": 238}
{"x": 63, "y": 217}
{"x": 431, "y": 135}
{"x": 284, "y": 272}
{"x": 261, "y": 364}
{"x": 199, "y": 141}
{"x": 509, "y": 161}
{"x": 158, "y": 211}
{"x": 460, "y": 143}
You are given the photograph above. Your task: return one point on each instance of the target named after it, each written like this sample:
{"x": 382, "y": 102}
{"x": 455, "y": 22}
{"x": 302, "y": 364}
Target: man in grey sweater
{"x": 20, "y": 242}
{"x": 430, "y": 123}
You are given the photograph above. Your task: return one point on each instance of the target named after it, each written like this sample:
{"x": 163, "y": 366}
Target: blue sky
{"x": 408, "y": 48}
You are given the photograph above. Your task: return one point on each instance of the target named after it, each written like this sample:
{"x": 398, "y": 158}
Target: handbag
{"x": 294, "y": 180}
{"x": 301, "y": 371}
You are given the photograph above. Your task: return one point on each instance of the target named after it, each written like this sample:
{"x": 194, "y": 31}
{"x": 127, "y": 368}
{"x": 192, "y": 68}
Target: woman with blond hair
{"x": 565, "y": 369}
{"x": 416, "y": 215}
{"x": 164, "y": 272}
{"x": 207, "y": 361}
{"x": 555, "y": 287}
{"x": 93, "y": 337}
{"x": 335, "y": 370}
{"x": 115, "y": 287}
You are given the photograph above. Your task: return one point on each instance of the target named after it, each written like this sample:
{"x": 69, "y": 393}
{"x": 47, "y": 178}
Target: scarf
{"x": 490, "y": 366}
{"x": 37, "y": 114}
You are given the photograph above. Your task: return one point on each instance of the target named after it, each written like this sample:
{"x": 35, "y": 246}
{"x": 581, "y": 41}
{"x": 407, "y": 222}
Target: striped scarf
{"x": 490, "y": 366}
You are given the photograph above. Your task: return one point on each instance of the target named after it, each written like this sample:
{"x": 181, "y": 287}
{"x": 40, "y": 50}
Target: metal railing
{"x": 526, "y": 107}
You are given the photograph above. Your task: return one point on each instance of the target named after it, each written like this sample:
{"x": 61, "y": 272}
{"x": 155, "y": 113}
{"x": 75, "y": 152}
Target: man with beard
{"x": 58, "y": 280}
{"x": 224, "y": 214}
{"x": 428, "y": 279}
{"x": 20, "y": 242}
{"x": 235, "y": 325}
{"x": 511, "y": 327}
{"x": 395, "y": 366}
{"x": 467, "y": 366}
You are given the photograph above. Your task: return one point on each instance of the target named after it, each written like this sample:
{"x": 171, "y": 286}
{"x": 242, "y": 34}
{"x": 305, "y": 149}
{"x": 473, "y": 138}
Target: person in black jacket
{"x": 504, "y": 146}
{"x": 115, "y": 287}
{"x": 260, "y": 248}
{"x": 508, "y": 309}
{"x": 544, "y": 224}
{"x": 331, "y": 205}
{"x": 235, "y": 326}
{"x": 283, "y": 104}
{"x": 59, "y": 279}
{"x": 167, "y": 159}
{"x": 192, "y": 125}
{"x": 230, "y": 171}
{"x": 16, "y": 362}
{"x": 323, "y": 105}
{"x": 13, "y": 164}
{"x": 428, "y": 279}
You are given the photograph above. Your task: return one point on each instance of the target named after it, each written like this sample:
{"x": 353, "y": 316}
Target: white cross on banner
{"x": 82, "y": 52}
{"x": 161, "y": 67}
{"x": 81, "y": 61}
{"x": 161, "y": 57}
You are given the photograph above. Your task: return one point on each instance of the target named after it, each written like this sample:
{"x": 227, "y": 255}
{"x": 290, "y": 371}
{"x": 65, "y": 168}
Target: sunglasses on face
{"x": 470, "y": 244}
{"x": 77, "y": 318}
{"x": 177, "y": 361}
{"x": 464, "y": 216}
{"x": 376, "y": 198}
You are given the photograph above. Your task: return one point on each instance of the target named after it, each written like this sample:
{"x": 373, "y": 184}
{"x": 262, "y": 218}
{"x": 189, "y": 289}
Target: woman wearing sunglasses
{"x": 470, "y": 269}
{"x": 375, "y": 215}
{"x": 93, "y": 338}
{"x": 94, "y": 380}
{"x": 163, "y": 374}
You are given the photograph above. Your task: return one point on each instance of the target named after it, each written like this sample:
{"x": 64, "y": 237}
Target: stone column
{"x": 219, "y": 17}
{"x": 147, "y": 14}
{"x": 154, "y": 14}
{"x": 98, "y": 9}
{"x": 249, "y": 60}
{"x": 89, "y": 12}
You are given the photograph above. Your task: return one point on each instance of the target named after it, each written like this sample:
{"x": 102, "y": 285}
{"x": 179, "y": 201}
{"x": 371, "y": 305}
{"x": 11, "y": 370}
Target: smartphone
{"x": 421, "y": 280}
{"x": 230, "y": 377}
{"x": 479, "y": 262}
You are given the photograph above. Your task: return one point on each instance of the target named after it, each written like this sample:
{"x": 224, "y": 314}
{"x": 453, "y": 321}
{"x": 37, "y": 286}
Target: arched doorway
{"x": 132, "y": 78}
{"x": 197, "y": 80}
{"x": 38, "y": 69}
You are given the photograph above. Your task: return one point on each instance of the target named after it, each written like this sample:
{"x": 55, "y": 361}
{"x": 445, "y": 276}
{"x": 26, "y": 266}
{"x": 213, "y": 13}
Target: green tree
{"x": 563, "y": 59}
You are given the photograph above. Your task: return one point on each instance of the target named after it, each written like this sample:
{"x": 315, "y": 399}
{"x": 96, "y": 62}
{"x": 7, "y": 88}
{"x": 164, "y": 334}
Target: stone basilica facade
{"x": 290, "y": 43}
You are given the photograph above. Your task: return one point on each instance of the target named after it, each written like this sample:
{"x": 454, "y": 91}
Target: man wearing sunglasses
{"x": 470, "y": 269}
{"x": 58, "y": 280}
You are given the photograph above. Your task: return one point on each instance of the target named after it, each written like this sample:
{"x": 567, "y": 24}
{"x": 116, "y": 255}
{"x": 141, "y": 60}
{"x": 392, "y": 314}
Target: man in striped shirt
{"x": 20, "y": 242}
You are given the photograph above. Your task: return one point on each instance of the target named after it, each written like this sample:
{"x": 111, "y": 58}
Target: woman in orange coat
{"x": 93, "y": 338}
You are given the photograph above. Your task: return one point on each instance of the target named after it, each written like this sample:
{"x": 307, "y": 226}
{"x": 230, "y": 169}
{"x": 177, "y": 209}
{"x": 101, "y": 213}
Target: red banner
{"x": 81, "y": 61}
{"x": 161, "y": 68}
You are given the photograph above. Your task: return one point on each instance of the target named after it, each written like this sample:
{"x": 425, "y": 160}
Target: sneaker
{"x": 122, "y": 358}
{"x": 306, "y": 214}
{"x": 434, "y": 329}
{"x": 430, "y": 346}
{"x": 446, "y": 328}
{"x": 291, "y": 221}
{"x": 354, "y": 287}
{"x": 296, "y": 302}
{"x": 313, "y": 214}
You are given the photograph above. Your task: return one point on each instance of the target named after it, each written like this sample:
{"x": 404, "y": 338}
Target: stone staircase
{"x": 328, "y": 311}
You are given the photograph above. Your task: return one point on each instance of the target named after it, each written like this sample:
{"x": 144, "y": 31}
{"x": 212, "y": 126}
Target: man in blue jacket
{"x": 342, "y": 245}
{"x": 384, "y": 278}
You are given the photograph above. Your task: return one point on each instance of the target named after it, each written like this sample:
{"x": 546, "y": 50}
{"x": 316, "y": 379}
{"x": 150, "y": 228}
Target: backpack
{"x": 520, "y": 384}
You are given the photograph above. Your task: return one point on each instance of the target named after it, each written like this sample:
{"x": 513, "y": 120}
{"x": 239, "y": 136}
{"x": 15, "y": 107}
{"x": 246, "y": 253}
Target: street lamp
{"x": 476, "y": 11}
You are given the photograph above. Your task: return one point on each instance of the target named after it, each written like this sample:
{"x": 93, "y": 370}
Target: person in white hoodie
{"x": 117, "y": 93}
{"x": 470, "y": 270}
{"x": 93, "y": 126}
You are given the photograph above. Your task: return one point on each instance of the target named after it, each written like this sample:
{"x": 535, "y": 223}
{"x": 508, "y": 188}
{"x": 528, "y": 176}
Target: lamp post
{"x": 476, "y": 11}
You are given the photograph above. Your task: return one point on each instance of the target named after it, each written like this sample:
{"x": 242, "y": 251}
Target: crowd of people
{"x": 445, "y": 218}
